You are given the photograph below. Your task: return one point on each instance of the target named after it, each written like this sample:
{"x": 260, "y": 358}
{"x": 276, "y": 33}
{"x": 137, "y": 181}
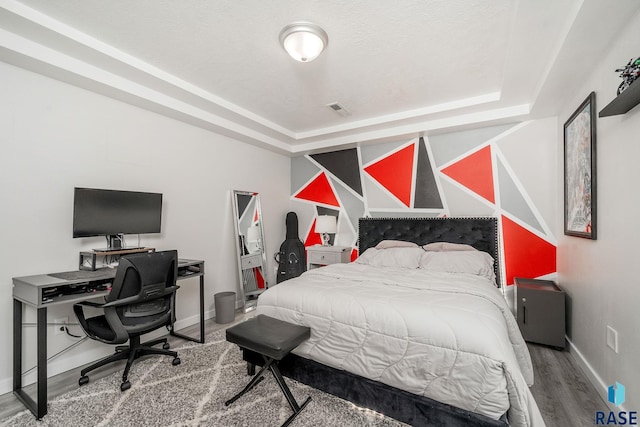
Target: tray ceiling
{"x": 399, "y": 68}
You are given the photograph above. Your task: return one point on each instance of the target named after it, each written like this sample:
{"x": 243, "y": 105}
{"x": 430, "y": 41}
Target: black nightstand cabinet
{"x": 540, "y": 311}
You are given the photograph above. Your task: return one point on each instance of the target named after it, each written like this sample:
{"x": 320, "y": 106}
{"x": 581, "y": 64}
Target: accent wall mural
{"x": 483, "y": 172}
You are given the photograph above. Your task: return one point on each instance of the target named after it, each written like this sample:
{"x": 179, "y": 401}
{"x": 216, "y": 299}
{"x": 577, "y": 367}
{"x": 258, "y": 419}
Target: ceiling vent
{"x": 339, "y": 109}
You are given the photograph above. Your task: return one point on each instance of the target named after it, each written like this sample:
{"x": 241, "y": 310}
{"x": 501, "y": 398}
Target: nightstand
{"x": 319, "y": 255}
{"x": 540, "y": 311}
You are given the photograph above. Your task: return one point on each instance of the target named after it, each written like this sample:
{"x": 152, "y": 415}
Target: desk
{"x": 44, "y": 290}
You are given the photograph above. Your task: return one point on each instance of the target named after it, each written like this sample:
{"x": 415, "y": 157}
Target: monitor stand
{"x": 88, "y": 259}
{"x": 115, "y": 244}
{"x": 128, "y": 248}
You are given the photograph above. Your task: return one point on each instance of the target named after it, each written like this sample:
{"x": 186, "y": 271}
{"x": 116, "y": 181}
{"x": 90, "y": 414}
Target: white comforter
{"x": 446, "y": 336}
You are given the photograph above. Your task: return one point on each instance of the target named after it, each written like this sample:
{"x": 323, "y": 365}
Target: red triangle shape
{"x": 313, "y": 238}
{"x": 395, "y": 173}
{"x": 475, "y": 173}
{"x": 319, "y": 191}
{"x": 259, "y": 278}
{"x": 525, "y": 254}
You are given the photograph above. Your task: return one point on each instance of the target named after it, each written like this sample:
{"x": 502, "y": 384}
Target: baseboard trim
{"x": 6, "y": 385}
{"x": 192, "y": 320}
{"x": 71, "y": 362}
{"x": 592, "y": 375}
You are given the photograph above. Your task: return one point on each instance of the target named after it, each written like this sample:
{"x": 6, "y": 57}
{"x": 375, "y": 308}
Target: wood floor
{"x": 564, "y": 395}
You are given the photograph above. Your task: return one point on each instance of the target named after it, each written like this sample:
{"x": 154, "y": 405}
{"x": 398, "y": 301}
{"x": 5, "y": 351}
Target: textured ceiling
{"x": 400, "y": 68}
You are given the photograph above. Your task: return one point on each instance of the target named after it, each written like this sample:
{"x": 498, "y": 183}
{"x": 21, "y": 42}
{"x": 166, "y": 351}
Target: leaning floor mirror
{"x": 250, "y": 247}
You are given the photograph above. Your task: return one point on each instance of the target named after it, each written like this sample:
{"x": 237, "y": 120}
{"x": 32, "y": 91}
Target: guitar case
{"x": 292, "y": 257}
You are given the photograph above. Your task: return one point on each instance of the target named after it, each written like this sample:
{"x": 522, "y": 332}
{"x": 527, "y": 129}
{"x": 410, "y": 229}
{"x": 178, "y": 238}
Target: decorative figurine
{"x": 629, "y": 74}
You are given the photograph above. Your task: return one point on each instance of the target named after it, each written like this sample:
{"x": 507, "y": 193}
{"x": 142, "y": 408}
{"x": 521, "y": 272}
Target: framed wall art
{"x": 580, "y": 171}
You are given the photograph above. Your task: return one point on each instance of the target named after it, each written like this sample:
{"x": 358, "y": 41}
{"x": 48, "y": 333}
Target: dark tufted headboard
{"x": 481, "y": 233}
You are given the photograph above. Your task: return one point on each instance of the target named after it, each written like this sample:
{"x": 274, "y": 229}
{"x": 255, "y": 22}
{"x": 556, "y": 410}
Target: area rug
{"x": 193, "y": 394}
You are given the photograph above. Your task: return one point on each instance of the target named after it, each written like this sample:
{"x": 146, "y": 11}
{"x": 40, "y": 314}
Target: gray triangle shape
{"x": 372, "y": 152}
{"x": 302, "y": 170}
{"x": 306, "y": 213}
{"x": 377, "y": 197}
{"x": 512, "y": 201}
{"x": 461, "y": 203}
{"x": 353, "y": 206}
{"x": 449, "y": 146}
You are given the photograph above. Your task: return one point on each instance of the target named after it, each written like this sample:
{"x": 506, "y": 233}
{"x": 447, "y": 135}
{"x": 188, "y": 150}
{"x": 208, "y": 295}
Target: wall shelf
{"x": 623, "y": 102}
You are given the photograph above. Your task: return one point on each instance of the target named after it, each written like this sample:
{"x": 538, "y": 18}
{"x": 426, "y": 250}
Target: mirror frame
{"x": 244, "y": 256}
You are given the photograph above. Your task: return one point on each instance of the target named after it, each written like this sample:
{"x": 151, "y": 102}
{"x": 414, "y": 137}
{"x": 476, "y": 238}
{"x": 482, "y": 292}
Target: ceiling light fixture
{"x": 304, "y": 41}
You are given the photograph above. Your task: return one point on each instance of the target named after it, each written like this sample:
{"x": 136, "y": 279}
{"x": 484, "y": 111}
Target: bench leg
{"x": 287, "y": 393}
{"x": 254, "y": 381}
{"x": 272, "y": 365}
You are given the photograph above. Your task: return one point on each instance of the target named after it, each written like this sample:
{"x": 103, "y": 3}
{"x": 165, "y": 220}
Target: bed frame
{"x": 481, "y": 233}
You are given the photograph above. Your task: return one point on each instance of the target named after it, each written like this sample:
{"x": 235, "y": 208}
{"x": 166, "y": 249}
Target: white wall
{"x": 602, "y": 277}
{"x": 54, "y": 136}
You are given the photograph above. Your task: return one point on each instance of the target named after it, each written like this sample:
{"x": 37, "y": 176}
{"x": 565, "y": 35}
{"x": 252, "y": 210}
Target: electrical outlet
{"x": 60, "y": 325}
{"x": 612, "y": 338}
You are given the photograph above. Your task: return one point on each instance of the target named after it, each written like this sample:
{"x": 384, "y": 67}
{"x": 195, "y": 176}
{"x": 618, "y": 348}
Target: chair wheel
{"x": 166, "y": 346}
{"x": 176, "y": 361}
{"x": 125, "y": 386}
{"x": 84, "y": 380}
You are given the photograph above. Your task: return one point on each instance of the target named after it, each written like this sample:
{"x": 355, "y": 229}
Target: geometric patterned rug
{"x": 193, "y": 394}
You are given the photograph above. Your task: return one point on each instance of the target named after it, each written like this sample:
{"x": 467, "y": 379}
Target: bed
{"x": 423, "y": 336}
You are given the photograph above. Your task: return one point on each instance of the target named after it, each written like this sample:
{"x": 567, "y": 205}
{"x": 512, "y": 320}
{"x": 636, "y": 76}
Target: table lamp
{"x": 326, "y": 224}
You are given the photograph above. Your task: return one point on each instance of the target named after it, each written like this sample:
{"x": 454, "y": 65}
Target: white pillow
{"x": 402, "y": 257}
{"x": 472, "y": 262}
{"x": 446, "y": 246}
{"x": 386, "y": 244}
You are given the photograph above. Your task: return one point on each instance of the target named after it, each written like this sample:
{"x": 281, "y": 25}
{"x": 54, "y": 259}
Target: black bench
{"x": 273, "y": 339}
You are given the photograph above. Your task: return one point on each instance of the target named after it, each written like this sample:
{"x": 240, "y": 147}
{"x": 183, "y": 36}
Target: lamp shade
{"x": 303, "y": 41}
{"x": 326, "y": 224}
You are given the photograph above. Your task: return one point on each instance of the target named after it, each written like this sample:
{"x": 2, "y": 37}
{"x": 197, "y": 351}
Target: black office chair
{"x": 140, "y": 301}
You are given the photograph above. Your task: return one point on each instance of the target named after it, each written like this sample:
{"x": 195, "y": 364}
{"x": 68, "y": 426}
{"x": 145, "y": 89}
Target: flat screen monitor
{"x": 113, "y": 213}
